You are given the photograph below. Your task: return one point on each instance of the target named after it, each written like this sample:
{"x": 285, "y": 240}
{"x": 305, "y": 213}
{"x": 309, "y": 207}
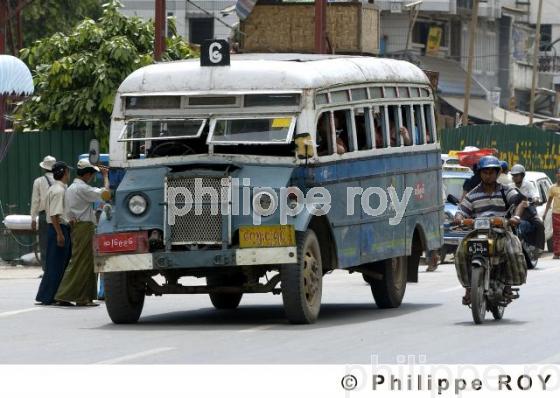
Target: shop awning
{"x": 481, "y": 109}
{"x": 452, "y": 77}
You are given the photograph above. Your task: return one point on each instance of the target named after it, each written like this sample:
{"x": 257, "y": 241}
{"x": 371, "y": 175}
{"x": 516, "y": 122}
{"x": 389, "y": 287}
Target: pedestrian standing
{"x": 80, "y": 283}
{"x": 58, "y": 236}
{"x": 38, "y": 196}
{"x": 554, "y": 201}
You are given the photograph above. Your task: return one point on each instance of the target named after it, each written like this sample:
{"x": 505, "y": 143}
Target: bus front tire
{"x": 124, "y": 296}
{"x": 388, "y": 292}
{"x": 302, "y": 283}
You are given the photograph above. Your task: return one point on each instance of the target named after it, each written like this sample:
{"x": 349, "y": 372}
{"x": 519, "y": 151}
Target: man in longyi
{"x": 79, "y": 284}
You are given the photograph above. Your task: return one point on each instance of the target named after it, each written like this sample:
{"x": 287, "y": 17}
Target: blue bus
{"x": 267, "y": 174}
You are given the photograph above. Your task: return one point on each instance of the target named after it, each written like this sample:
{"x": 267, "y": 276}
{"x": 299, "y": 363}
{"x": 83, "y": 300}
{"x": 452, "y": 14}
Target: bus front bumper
{"x": 196, "y": 259}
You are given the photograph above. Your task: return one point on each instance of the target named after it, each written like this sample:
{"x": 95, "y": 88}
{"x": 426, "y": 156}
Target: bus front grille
{"x": 204, "y": 222}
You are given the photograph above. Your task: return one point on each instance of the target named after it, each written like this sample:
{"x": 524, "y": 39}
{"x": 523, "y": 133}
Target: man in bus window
{"x": 341, "y": 133}
{"x": 323, "y": 131}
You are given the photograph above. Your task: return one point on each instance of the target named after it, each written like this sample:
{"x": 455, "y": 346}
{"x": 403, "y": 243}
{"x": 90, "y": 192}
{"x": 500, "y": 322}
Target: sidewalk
{"x": 8, "y": 271}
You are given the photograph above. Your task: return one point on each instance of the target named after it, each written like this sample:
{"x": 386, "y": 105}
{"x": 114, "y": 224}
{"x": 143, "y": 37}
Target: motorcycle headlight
{"x": 482, "y": 223}
{"x": 137, "y": 204}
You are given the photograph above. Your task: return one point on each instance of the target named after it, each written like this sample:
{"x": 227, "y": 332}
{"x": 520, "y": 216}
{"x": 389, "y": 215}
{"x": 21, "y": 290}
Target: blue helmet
{"x": 504, "y": 164}
{"x": 489, "y": 162}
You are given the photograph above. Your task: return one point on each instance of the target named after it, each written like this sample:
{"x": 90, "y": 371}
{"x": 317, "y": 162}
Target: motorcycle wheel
{"x": 478, "y": 301}
{"x": 497, "y": 311}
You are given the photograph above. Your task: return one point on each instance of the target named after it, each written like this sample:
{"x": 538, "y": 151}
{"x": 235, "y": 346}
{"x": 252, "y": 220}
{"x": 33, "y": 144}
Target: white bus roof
{"x": 279, "y": 72}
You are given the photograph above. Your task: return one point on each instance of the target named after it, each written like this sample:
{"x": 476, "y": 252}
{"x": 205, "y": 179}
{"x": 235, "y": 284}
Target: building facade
{"x": 196, "y": 20}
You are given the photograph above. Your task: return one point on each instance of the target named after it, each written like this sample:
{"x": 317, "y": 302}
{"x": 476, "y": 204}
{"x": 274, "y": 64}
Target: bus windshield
{"x": 270, "y": 130}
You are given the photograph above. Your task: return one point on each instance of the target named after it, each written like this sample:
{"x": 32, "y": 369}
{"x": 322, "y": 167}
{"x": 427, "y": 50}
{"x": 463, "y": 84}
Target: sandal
{"x": 89, "y": 304}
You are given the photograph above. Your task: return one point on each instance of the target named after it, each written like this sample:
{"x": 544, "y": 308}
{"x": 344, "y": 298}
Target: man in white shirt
{"x": 58, "y": 244}
{"x": 504, "y": 178}
{"x": 38, "y": 196}
{"x": 79, "y": 284}
{"x": 525, "y": 187}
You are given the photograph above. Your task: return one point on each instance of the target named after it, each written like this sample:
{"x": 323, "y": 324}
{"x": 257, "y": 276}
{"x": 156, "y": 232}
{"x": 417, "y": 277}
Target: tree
{"x": 77, "y": 75}
{"x": 43, "y": 18}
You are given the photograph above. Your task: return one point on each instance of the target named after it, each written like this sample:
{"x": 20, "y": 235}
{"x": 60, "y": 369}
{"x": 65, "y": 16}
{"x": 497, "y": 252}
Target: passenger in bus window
{"x": 378, "y": 130}
{"x": 323, "y": 132}
{"x": 341, "y": 133}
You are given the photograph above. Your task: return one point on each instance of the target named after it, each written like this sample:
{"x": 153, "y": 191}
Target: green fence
{"x": 21, "y": 166}
{"x": 536, "y": 149}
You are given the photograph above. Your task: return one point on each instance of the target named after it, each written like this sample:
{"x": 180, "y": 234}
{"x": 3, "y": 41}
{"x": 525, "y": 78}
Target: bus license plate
{"x": 267, "y": 236}
{"x": 477, "y": 247}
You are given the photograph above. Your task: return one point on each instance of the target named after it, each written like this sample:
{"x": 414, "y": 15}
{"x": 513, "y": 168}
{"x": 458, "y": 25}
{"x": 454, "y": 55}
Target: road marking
{"x": 451, "y": 289}
{"x": 10, "y": 313}
{"x": 135, "y": 356}
{"x": 256, "y": 329}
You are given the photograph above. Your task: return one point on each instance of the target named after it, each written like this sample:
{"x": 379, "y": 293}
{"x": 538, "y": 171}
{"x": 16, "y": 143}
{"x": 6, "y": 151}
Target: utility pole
{"x": 535, "y": 63}
{"x": 159, "y": 39}
{"x": 472, "y": 37}
{"x": 321, "y": 26}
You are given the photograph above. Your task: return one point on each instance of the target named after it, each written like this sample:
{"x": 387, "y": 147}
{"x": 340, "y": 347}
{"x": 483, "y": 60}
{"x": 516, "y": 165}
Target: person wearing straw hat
{"x": 58, "y": 245}
{"x": 38, "y": 196}
{"x": 79, "y": 283}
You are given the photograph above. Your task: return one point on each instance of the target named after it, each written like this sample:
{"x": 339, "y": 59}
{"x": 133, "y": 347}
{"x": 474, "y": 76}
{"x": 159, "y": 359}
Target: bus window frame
{"x": 215, "y": 118}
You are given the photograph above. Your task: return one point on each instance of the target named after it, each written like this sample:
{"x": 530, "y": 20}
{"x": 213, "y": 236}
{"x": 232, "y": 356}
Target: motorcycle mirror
{"x": 452, "y": 199}
{"x": 94, "y": 151}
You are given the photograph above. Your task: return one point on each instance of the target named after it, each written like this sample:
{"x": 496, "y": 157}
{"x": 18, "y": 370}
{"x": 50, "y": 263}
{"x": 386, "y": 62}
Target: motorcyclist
{"x": 531, "y": 227}
{"x": 504, "y": 178}
{"x": 525, "y": 187}
{"x": 489, "y": 198}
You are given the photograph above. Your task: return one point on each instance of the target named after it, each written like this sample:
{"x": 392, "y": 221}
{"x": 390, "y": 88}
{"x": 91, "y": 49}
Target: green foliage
{"x": 76, "y": 76}
{"x": 42, "y": 18}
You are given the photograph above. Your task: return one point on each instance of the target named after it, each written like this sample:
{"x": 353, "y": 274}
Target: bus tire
{"x": 225, "y": 301}
{"x": 124, "y": 296}
{"x": 302, "y": 283}
{"x": 389, "y": 291}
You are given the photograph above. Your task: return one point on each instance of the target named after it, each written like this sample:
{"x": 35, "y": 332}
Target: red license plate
{"x": 114, "y": 243}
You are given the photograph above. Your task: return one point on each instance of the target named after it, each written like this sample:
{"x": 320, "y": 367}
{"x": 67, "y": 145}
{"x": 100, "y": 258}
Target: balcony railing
{"x": 549, "y": 63}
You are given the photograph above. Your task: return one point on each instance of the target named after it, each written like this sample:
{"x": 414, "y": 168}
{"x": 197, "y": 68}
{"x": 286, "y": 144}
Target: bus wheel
{"x": 124, "y": 295}
{"x": 389, "y": 291}
{"x": 225, "y": 301}
{"x": 302, "y": 283}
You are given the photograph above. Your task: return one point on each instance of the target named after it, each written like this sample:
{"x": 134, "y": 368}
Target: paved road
{"x": 430, "y": 324}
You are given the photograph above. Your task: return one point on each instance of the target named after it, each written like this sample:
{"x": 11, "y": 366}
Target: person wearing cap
{"x": 525, "y": 187}
{"x": 79, "y": 284}
{"x": 554, "y": 202}
{"x": 38, "y": 215}
{"x": 504, "y": 178}
{"x": 58, "y": 242}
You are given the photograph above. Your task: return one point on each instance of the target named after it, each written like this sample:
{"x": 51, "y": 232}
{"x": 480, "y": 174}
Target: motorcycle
{"x": 487, "y": 291}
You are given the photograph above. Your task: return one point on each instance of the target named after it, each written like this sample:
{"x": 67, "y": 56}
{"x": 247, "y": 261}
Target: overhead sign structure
{"x": 214, "y": 53}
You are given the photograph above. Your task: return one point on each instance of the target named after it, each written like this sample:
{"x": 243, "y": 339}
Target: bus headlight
{"x": 137, "y": 204}
{"x": 265, "y": 202}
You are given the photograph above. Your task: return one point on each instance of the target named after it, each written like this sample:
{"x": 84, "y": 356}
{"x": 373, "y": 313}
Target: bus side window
{"x": 419, "y": 125}
{"x": 408, "y": 123}
{"x": 343, "y": 128}
{"x": 362, "y": 118}
{"x": 324, "y": 134}
{"x": 380, "y": 125}
{"x": 395, "y": 125}
{"x": 430, "y": 125}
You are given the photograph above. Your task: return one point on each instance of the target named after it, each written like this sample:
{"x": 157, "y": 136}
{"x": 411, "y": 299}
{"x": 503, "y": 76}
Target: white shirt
{"x": 55, "y": 202}
{"x": 528, "y": 190}
{"x": 39, "y": 194}
{"x": 505, "y": 179}
{"x": 80, "y": 198}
